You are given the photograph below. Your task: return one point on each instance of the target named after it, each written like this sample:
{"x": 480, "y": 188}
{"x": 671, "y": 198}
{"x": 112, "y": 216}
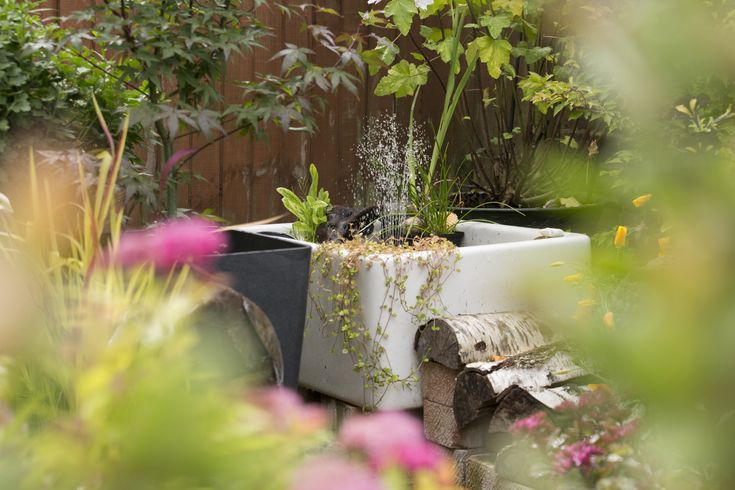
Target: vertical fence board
{"x": 266, "y": 152}
{"x": 324, "y": 147}
{"x": 295, "y": 148}
{"x": 237, "y": 151}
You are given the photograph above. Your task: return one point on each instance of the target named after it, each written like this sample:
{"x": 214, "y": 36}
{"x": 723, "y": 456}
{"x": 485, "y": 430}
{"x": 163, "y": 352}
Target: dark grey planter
{"x": 586, "y": 218}
{"x": 274, "y": 274}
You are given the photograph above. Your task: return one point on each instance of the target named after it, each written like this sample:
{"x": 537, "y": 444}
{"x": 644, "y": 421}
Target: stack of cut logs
{"x": 486, "y": 371}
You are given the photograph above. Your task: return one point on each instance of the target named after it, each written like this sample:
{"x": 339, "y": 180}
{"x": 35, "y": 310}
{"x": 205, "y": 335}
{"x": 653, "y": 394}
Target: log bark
{"x": 480, "y": 384}
{"x": 464, "y": 339}
{"x": 512, "y": 405}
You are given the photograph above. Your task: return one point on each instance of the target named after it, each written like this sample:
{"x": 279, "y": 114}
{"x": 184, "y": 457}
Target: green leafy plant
{"x": 433, "y": 192}
{"x": 174, "y": 54}
{"x": 311, "y": 211}
{"x": 46, "y": 94}
{"x": 526, "y": 122}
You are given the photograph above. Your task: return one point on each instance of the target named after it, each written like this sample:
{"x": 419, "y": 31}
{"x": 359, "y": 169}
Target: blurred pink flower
{"x": 390, "y": 438}
{"x": 333, "y": 473}
{"x": 419, "y": 455}
{"x": 530, "y": 424}
{"x": 288, "y": 411}
{"x": 184, "y": 241}
{"x": 577, "y": 455}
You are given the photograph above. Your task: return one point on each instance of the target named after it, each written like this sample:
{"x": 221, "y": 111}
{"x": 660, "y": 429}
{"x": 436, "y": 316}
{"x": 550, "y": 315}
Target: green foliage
{"x": 103, "y": 386}
{"x": 494, "y": 53}
{"x": 402, "y": 79}
{"x": 401, "y": 12}
{"x": 46, "y": 94}
{"x": 311, "y": 211}
{"x": 175, "y": 55}
{"x": 531, "y": 118}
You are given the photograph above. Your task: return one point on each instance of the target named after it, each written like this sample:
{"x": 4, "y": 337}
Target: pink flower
{"x": 390, "y": 438}
{"x": 577, "y": 455}
{"x": 184, "y": 241}
{"x": 288, "y": 411}
{"x": 333, "y": 473}
{"x": 419, "y": 455}
{"x": 530, "y": 424}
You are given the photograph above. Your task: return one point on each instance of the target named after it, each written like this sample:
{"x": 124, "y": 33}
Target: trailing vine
{"x": 336, "y": 299}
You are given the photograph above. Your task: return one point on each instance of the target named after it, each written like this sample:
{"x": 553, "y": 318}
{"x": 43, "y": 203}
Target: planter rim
{"x": 464, "y": 250}
{"x": 286, "y": 244}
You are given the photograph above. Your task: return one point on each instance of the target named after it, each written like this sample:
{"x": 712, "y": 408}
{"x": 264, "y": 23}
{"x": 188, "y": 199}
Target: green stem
{"x": 453, "y": 92}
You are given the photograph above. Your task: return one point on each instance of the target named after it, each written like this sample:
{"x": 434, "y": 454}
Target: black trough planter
{"x": 585, "y": 218}
{"x": 274, "y": 274}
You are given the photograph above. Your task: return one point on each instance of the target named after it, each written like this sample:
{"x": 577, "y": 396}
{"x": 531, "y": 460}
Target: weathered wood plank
{"x": 237, "y": 150}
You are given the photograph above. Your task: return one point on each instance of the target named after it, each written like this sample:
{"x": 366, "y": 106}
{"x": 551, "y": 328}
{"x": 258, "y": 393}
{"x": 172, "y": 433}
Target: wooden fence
{"x": 241, "y": 175}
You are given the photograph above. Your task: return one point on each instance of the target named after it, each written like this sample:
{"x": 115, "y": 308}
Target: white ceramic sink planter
{"x": 497, "y": 266}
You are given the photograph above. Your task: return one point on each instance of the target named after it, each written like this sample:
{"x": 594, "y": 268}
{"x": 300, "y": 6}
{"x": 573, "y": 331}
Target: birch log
{"x": 479, "y": 386}
{"x": 463, "y": 339}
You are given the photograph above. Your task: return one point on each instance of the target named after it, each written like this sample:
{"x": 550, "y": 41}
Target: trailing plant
{"x": 521, "y": 122}
{"x": 335, "y": 297}
{"x": 311, "y": 211}
{"x": 175, "y": 55}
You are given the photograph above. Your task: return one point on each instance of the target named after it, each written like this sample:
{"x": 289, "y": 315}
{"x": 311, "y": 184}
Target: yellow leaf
{"x": 598, "y": 386}
{"x": 609, "y": 320}
{"x": 641, "y": 200}
{"x": 683, "y": 109}
{"x": 574, "y": 278}
{"x": 620, "y": 236}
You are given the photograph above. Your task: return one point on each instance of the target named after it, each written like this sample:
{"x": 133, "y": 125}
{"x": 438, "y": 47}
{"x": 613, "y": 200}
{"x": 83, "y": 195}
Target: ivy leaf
{"x": 402, "y": 12}
{"x": 494, "y": 53}
{"x": 495, "y": 24}
{"x": 402, "y": 79}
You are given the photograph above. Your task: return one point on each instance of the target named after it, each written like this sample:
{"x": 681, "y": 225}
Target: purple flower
{"x": 184, "y": 241}
{"x": 577, "y": 455}
{"x": 333, "y": 473}
{"x": 390, "y": 438}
